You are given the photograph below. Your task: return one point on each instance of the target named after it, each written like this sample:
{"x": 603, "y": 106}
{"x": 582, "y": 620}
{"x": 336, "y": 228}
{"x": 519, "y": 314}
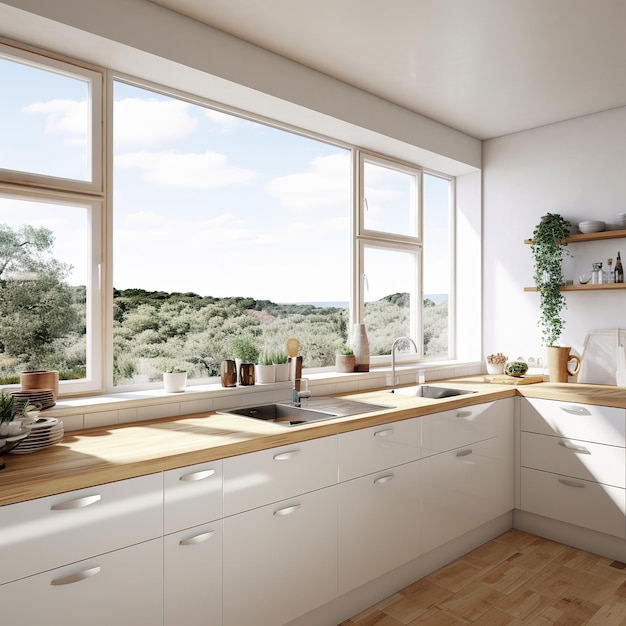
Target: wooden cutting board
{"x": 503, "y": 379}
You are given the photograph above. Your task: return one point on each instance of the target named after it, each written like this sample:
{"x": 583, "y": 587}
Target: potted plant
{"x": 548, "y": 248}
{"x": 495, "y": 363}
{"x": 265, "y": 370}
{"x": 281, "y": 363}
{"x": 345, "y": 361}
{"x": 174, "y": 380}
{"x": 246, "y": 355}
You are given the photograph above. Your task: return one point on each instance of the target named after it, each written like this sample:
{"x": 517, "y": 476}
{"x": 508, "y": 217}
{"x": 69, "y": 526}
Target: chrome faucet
{"x": 393, "y": 356}
{"x": 300, "y": 391}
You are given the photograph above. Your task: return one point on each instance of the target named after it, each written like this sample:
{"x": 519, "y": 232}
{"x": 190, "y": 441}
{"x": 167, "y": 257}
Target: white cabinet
{"x": 379, "y": 506}
{"x": 255, "y": 479}
{"x": 280, "y": 533}
{"x": 121, "y": 587}
{"x": 471, "y": 481}
{"x": 193, "y": 576}
{"x": 280, "y": 560}
{"x": 372, "y": 449}
{"x": 460, "y": 427}
{"x": 46, "y": 533}
{"x": 379, "y": 524}
{"x": 192, "y": 495}
{"x": 573, "y": 464}
{"x": 192, "y": 590}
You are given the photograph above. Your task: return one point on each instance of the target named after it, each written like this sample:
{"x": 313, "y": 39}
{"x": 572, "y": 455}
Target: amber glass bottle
{"x": 619, "y": 270}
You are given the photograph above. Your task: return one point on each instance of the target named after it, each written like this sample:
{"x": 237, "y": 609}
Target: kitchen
{"x": 570, "y": 166}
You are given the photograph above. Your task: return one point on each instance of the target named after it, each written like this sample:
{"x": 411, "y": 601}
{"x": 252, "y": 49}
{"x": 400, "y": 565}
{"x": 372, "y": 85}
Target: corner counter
{"x": 103, "y": 455}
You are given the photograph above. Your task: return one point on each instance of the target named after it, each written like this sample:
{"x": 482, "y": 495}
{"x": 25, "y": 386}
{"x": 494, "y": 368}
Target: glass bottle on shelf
{"x": 608, "y": 273}
{"x": 619, "y": 270}
{"x": 596, "y": 273}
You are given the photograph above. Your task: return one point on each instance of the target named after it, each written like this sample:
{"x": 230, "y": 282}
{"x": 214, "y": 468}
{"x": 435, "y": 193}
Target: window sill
{"x": 111, "y": 409}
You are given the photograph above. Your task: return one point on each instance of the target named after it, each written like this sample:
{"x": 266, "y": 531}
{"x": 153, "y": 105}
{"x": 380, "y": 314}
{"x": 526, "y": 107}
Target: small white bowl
{"x": 594, "y": 226}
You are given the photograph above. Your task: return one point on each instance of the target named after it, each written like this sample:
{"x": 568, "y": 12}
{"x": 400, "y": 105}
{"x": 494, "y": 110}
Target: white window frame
{"x": 35, "y": 187}
{"x": 95, "y": 80}
{"x": 93, "y": 313}
{"x": 364, "y": 238}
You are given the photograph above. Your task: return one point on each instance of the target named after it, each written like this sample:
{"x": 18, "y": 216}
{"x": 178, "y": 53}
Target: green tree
{"x": 36, "y": 306}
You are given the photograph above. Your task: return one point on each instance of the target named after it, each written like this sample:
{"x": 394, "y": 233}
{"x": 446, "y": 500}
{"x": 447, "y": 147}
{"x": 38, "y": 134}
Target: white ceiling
{"x": 485, "y": 67}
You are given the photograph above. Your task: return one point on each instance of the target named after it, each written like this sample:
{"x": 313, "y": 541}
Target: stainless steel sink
{"x": 431, "y": 391}
{"x": 316, "y": 409}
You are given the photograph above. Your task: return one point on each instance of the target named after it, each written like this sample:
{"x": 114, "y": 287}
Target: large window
{"x": 224, "y": 228}
{"x": 202, "y": 228}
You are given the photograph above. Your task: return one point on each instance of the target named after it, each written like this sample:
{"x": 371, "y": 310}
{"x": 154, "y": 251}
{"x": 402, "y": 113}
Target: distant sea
{"x": 437, "y": 298}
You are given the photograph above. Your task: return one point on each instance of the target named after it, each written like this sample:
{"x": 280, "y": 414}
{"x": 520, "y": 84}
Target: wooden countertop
{"x": 101, "y": 455}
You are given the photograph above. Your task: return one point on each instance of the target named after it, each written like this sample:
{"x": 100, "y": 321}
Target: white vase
{"x": 361, "y": 348}
{"x": 174, "y": 382}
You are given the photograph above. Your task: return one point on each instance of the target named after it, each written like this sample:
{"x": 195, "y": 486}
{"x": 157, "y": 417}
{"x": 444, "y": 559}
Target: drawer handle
{"x": 571, "y": 483}
{"x": 464, "y": 414}
{"x": 286, "y": 456}
{"x": 288, "y": 510}
{"x": 383, "y": 433}
{"x": 464, "y": 452}
{"x": 200, "y": 538}
{"x": 200, "y": 475}
{"x": 575, "y": 410}
{"x": 575, "y": 448}
{"x": 384, "y": 479}
{"x": 78, "y": 503}
{"x": 74, "y": 578}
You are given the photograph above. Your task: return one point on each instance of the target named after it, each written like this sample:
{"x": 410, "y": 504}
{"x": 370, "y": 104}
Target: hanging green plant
{"x": 548, "y": 247}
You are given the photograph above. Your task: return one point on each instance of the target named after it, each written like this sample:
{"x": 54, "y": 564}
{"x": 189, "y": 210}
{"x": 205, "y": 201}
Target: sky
{"x": 204, "y": 201}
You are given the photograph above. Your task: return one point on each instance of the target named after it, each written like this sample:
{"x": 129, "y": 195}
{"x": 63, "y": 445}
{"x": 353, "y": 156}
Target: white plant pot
{"x": 495, "y": 368}
{"x": 265, "y": 373}
{"x": 174, "y": 382}
{"x": 282, "y": 372}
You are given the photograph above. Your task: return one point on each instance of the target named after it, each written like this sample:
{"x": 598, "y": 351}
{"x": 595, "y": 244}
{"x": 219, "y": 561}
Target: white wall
{"x": 575, "y": 168}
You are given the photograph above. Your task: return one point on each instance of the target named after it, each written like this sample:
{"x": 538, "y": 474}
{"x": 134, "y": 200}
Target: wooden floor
{"x": 515, "y": 579}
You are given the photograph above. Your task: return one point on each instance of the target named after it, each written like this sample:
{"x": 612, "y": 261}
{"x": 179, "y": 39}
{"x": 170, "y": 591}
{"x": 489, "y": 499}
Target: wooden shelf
{"x": 587, "y": 287}
{"x": 605, "y": 234}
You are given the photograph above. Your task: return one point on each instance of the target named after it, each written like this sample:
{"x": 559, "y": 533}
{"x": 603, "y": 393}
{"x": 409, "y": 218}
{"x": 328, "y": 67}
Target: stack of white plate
{"x": 46, "y": 431}
{"x": 621, "y": 220}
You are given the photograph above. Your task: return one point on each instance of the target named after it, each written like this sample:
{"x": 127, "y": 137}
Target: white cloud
{"x": 149, "y": 122}
{"x": 63, "y": 116}
{"x": 143, "y": 219}
{"x": 209, "y": 170}
{"x": 324, "y": 185}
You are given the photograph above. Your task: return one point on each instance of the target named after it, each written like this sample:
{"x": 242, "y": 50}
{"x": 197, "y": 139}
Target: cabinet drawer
{"x": 579, "y": 502}
{"x": 372, "y": 449}
{"x": 570, "y": 457}
{"x": 460, "y": 427}
{"x": 49, "y": 532}
{"x": 588, "y": 422}
{"x": 259, "y": 478}
{"x": 122, "y": 588}
{"x": 192, "y": 495}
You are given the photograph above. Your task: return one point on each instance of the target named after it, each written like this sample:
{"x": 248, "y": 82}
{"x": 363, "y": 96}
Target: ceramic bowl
{"x": 594, "y": 226}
